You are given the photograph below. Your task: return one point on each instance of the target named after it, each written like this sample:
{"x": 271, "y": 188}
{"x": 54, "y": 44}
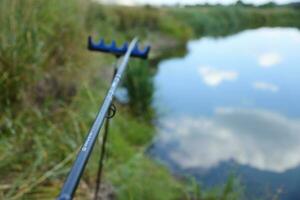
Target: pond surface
{"x": 231, "y": 105}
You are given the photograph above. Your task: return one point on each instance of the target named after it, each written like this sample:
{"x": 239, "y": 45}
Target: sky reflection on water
{"x": 258, "y": 138}
{"x": 232, "y": 99}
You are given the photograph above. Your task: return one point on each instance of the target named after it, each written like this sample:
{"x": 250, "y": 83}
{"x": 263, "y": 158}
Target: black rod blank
{"x": 75, "y": 174}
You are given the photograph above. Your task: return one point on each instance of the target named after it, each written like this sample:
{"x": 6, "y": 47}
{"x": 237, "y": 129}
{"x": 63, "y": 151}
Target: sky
{"x": 170, "y": 2}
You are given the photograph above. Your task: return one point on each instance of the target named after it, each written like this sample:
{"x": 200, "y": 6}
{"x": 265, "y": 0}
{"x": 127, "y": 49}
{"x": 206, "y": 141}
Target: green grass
{"x": 220, "y": 20}
{"x": 51, "y": 89}
{"x": 138, "y": 81}
{"x": 32, "y": 48}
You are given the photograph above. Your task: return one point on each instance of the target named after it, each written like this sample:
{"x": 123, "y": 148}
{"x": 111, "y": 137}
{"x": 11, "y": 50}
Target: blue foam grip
{"x": 117, "y": 51}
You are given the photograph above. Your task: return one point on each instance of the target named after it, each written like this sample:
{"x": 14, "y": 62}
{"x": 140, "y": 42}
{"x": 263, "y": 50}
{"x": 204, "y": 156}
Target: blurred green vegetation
{"x": 138, "y": 81}
{"x": 225, "y": 20}
{"x": 51, "y": 89}
{"x": 31, "y": 48}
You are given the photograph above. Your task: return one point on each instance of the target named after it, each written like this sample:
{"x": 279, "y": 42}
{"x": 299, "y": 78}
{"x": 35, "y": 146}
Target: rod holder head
{"x": 117, "y": 51}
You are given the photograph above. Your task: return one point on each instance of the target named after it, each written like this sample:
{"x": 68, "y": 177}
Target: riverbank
{"x": 51, "y": 88}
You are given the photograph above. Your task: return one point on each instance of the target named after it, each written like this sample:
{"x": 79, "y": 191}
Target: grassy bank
{"x": 51, "y": 89}
{"x": 220, "y": 20}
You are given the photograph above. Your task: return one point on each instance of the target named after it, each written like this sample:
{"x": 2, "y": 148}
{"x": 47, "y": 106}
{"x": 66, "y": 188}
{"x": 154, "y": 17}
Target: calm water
{"x": 232, "y": 105}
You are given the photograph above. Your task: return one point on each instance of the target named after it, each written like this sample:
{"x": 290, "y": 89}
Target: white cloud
{"x": 269, "y": 59}
{"x": 214, "y": 77}
{"x": 262, "y": 139}
{"x": 259, "y": 85}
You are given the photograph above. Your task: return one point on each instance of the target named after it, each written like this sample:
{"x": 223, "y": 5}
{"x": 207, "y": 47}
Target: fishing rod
{"x": 75, "y": 174}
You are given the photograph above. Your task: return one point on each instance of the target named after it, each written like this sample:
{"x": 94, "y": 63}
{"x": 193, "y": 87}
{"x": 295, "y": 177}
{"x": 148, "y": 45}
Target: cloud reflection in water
{"x": 260, "y": 85}
{"x": 214, "y": 77}
{"x": 262, "y": 139}
{"x": 269, "y": 59}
